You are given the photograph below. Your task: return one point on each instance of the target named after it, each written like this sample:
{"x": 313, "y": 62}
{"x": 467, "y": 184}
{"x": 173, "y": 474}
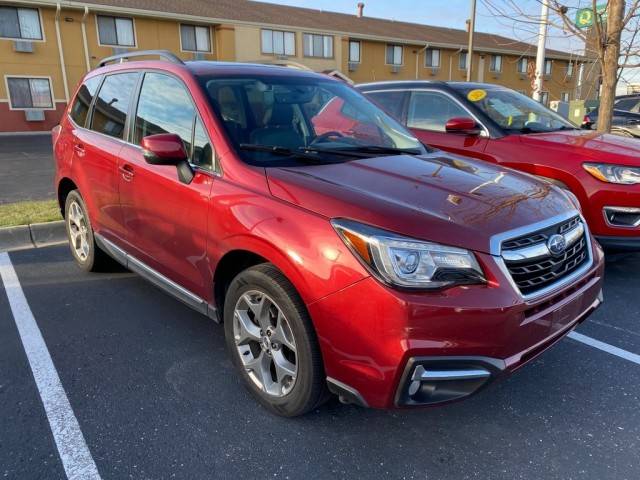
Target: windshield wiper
{"x": 364, "y": 149}
{"x": 282, "y": 151}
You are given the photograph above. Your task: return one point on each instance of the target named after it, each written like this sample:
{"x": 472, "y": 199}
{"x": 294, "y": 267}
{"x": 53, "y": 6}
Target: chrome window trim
{"x": 631, "y": 210}
{"x": 496, "y": 245}
{"x": 485, "y": 131}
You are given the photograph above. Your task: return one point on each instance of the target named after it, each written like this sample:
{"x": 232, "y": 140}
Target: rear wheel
{"x": 86, "y": 253}
{"x": 272, "y": 342}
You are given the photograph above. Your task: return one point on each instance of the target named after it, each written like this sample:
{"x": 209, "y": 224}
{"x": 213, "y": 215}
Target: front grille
{"x": 534, "y": 274}
{"x": 540, "y": 236}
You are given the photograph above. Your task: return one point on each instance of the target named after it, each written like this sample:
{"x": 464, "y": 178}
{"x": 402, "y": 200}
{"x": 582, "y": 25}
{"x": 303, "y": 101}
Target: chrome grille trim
{"x": 497, "y": 241}
{"x": 541, "y": 250}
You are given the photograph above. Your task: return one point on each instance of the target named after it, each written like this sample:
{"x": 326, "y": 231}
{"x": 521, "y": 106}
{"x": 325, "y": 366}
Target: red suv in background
{"x": 502, "y": 126}
{"x": 346, "y": 257}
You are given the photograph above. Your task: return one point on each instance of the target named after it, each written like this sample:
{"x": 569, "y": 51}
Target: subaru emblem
{"x": 557, "y": 245}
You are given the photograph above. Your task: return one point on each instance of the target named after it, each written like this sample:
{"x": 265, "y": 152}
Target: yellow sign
{"x": 476, "y": 95}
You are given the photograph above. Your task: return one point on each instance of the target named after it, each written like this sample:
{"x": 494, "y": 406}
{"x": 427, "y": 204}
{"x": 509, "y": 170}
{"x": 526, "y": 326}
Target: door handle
{"x": 79, "y": 149}
{"x": 127, "y": 172}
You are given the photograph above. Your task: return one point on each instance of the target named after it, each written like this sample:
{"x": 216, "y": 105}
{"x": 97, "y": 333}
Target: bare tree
{"x": 614, "y": 38}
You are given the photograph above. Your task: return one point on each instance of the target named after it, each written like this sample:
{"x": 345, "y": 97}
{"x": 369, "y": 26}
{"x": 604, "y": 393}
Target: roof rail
{"x": 122, "y": 57}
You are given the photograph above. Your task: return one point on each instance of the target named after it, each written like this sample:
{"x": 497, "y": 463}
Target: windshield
{"x": 514, "y": 111}
{"x": 303, "y": 118}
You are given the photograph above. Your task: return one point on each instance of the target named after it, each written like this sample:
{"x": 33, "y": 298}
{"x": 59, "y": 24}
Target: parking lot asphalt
{"x": 26, "y": 168}
{"x": 155, "y": 397}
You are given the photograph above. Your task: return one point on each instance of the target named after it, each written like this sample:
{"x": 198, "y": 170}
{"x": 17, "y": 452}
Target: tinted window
{"x": 627, "y": 104}
{"x": 390, "y": 102}
{"x": 299, "y": 111}
{"x": 432, "y": 110}
{"x": 81, "y": 104}
{"x": 112, "y": 105}
{"x": 164, "y": 107}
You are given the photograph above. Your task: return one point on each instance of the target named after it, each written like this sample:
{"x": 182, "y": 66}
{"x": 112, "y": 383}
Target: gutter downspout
{"x": 60, "y": 52}
{"x": 84, "y": 37}
{"x": 457, "y": 52}
{"x": 418, "y": 57}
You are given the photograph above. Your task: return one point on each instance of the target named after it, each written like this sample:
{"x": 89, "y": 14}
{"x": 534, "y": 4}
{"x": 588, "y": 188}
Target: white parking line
{"x": 73, "y": 450}
{"x": 605, "y": 347}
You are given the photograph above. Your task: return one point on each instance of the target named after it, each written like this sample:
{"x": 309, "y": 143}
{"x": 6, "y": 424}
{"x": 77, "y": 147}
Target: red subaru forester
{"x": 348, "y": 259}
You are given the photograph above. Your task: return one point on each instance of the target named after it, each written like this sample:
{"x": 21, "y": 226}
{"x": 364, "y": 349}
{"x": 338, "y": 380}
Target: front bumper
{"x": 435, "y": 380}
{"x": 374, "y": 338}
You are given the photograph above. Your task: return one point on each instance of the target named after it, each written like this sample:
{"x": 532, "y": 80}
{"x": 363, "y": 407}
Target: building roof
{"x": 260, "y": 13}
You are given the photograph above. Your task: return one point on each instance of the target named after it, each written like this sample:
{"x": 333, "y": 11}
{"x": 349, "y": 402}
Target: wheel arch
{"x": 65, "y": 186}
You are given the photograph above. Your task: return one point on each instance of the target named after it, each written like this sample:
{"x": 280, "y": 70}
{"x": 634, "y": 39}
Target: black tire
{"x": 96, "y": 259}
{"x": 309, "y": 389}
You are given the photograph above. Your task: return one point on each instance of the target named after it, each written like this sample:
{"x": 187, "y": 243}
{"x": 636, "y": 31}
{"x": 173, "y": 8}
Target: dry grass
{"x": 24, "y": 213}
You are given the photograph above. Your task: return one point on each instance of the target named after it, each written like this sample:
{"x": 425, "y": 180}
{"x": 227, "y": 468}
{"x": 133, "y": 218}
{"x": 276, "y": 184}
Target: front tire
{"x": 272, "y": 342}
{"x": 88, "y": 256}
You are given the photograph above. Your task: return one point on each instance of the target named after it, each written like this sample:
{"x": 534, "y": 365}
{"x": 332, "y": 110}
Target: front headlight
{"x": 613, "y": 173}
{"x": 409, "y": 263}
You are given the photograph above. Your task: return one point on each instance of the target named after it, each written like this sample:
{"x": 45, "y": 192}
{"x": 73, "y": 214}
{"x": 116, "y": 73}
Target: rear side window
{"x": 432, "y": 111}
{"x": 112, "y": 105}
{"x": 390, "y": 102}
{"x": 82, "y": 103}
{"x": 165, "y": 106}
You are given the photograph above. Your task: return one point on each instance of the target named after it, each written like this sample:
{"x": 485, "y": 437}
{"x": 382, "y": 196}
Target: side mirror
{"x": 463, "y": 126}
{"x": 168, "y": 149}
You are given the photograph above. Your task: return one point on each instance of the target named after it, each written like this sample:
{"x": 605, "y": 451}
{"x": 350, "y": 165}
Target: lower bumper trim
{"x": 435, "y": 380}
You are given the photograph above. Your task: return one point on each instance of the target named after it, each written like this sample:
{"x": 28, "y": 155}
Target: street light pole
{"x": 542, "y": 40}
{"x": 472, "y": 27}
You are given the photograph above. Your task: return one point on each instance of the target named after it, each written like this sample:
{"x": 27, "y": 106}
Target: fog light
{"x": 627, "y": 217}
{"x": 434, "y": 381}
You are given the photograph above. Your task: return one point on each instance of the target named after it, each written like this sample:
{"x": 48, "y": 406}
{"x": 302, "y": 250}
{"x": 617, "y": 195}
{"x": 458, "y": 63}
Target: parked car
{"x": 626, "y": 117}
{"x": 353, "y": 259}
{"x": 501, "y": 126}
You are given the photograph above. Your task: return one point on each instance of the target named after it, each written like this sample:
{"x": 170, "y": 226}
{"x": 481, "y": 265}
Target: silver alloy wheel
{"x": 265, "y": 343}
{"x": 78, "y": 231}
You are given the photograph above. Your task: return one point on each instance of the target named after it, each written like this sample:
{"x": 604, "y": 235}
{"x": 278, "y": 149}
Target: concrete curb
{"x": 35, "y": 235}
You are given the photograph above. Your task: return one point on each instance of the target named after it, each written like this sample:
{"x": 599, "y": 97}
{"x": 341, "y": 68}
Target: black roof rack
{"x": 122, "y": 57}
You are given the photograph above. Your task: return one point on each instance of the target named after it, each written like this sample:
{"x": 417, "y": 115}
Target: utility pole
{"x": 472, "y": 27}
{"x": 542, "y": 40}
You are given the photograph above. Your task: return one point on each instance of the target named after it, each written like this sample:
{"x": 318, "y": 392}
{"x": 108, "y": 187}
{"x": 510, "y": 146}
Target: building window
{"x": 463, "y": 61}
{"x": 565, "y": 97}
{"x": 27, "y": 93}
{"x": 523, "y": 65}
{"x": 495, "y": 65}
{"x": 20, "y": 23}
{"x": 548, "y": 64}
{"x": 394, "y": 54}
{"x": 354, "y": 51}
{"x": 318, "y": 45}
{"x": 277, "y": 42}
{"x": 570, "y": 69}
{"x": 432, "y": 58}
{"x": 544, "y": 98}
{"x": 195, "y": 38}
{"x": 116, "y": 31}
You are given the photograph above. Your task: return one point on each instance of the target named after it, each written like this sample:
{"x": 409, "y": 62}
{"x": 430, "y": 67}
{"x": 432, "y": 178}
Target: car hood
{"x": 437, "y": 197}
{"x": 602, "y": 147}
